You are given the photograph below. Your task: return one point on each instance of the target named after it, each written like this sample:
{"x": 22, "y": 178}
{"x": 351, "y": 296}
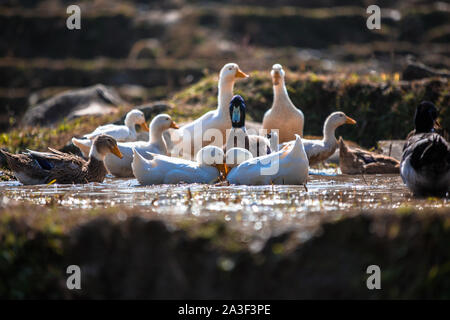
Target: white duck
{"x": 287, "y": 166}
{"x": 320, "y": 150}
{"x": 283, "y": 115}
{"x": 155, "y": 144}
{"x": 238, "y": 137}
{"x": 159, "y": 169}
{"x": 121, "y": 133}
{"x": 190, "y": 136}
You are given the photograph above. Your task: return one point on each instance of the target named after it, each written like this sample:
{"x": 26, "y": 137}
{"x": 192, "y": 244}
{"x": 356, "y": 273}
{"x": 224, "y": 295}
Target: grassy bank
{"x": 378, "y": 103}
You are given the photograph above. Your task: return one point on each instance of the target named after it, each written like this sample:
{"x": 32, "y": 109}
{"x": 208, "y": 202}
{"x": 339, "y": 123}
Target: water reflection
{"x": 255, "y": 207}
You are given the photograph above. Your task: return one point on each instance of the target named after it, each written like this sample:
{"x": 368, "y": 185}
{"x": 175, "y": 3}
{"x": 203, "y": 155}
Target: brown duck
{"x": 357, "y": 161}
{"x": 35, "y": 167}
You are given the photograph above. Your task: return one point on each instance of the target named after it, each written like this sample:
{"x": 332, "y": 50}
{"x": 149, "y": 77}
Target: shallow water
{"x": 259, "y": 208}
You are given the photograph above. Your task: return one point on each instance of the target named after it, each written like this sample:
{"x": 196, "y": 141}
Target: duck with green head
{"x": 238, "y": 137}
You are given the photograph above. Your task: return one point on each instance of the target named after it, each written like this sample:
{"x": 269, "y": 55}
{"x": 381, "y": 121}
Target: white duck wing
{"x": 152, "y": 168}
{"x": 118, "y": 132}
{"x": 256, "y": 171}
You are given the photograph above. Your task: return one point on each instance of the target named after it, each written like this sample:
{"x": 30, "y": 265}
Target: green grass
{"x": 378, "y": 102}
{"x": 383, "y": 107}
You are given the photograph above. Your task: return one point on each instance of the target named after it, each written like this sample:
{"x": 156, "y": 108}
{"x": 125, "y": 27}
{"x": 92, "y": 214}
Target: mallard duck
{"x": 287, "y": 166}
{"x": 357, "y": 161}
{"x": 283, "y": 115}
{"x": 122, "y": 133}
{"x": 47, "y": 167}
{"x": 159, "y": 169}
{"x": 155, "y": 144}
{"x": 320, "y": 150}
{"x": 216, "y": 121}
{"x": 425, "y": 164}
{"x": 238, "y": 136}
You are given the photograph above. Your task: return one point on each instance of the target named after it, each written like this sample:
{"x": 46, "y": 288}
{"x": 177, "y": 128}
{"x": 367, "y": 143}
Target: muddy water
{"x": 261, "y": 209}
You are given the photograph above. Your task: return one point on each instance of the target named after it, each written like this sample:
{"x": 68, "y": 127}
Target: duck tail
{"x": 9, "y": 157}
{"x": 139, "y": 163}
{"x": 5, "y": 153}
{"x": 342, "y": 146}
{"x": 298, "y": 150}
{"x": 343, "y": 150}
{"x": 83, "y": 144}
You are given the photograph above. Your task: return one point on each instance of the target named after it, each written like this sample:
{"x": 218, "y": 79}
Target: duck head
{"x": 103, "y": 145}
{"x": 277, "y": 74}
{"x": 337, "y": 119}
{"x": 425, "y": 118}
{"x": 162, "y": 122}
{"x": 136, "y": 117}
{"x": 232, "y": 72}
{"x": 237, "y": 112}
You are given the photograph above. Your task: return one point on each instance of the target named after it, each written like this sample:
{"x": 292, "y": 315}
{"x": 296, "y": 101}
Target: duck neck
{"x": 280, "y": 95}
{"x": 131, "y": 125}
{"x": 237, "y": 116}
{"x": 156, "y": 138}
{"x": 225, "y": 95}
{"x": 94, "y": 154}
{"x": 95, "y": 165}
{"x": 329, "y": 133}
{"x": 424, "y": 125}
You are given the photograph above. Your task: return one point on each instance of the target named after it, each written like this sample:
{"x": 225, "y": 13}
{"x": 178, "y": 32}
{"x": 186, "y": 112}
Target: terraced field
{"x": 159, "y": 47}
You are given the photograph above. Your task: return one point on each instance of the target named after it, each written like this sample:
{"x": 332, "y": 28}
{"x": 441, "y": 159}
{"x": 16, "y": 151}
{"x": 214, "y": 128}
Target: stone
{"x": 95, "y": 100}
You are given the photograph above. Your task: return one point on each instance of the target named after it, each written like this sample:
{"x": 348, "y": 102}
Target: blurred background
{"x": 147, "y": 50}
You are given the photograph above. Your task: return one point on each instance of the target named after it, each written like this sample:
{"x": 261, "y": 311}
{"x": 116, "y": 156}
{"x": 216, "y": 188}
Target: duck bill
{"x": 145, "y": 126}
{"x": 115, "y": 151}
{"x": 350, "y": 121}
{"x": 241, "y": 74}
{"x": 173, "y": 125}
{"x": 276, "y": 78}
{"x": 223, "y": 169}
